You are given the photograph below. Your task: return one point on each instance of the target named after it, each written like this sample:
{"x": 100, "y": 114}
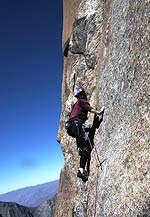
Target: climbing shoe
{"x": 83, "y": 176}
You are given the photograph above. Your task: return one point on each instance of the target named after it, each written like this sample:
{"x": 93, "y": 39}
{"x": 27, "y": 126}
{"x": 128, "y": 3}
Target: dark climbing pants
{"x": 85, "y": 158}
{"x": 83, "y": 145}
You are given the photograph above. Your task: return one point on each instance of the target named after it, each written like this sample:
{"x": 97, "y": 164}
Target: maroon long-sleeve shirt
{"x": 80, "y": 110}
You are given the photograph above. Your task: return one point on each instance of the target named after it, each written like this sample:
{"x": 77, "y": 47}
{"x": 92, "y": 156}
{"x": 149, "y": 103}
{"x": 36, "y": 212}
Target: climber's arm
{"x": 88, "y": 108}
{"x": 95, "y": 111}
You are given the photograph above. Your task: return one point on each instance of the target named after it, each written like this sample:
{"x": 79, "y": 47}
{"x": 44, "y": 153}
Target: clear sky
{"x": 31, "y": 65}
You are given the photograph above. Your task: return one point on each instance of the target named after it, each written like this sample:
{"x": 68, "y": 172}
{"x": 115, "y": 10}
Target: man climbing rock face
{"x": 84, "y": 136}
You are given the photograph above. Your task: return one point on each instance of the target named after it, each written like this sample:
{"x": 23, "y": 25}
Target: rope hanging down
{"x": 98, "y": 165}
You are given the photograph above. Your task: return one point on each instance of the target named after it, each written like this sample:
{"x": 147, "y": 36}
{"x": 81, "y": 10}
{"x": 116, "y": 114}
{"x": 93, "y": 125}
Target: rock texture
{"x": 108, "y": 53}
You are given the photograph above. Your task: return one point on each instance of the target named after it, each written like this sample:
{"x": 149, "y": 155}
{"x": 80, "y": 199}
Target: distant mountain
{"x": 32, "y": 196}
{"x": 9, "y": 209}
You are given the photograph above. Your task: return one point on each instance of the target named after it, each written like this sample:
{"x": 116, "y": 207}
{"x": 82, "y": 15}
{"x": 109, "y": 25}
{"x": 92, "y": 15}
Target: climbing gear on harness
{"x": 69, "y": 125}
{"x": 79, "y": 90}
{"x": 73, "y": 128}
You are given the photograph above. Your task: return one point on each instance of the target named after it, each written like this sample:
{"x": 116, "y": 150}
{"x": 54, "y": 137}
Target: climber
{"x": 77, "y": 118}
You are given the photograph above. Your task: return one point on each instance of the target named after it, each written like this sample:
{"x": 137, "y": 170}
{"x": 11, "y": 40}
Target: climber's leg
{"x": 84, "y": 160}
{"x": 88, "y": 164}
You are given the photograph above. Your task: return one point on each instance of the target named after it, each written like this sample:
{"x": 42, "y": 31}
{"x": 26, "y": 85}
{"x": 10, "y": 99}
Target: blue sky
{"x": 31, "y": 66}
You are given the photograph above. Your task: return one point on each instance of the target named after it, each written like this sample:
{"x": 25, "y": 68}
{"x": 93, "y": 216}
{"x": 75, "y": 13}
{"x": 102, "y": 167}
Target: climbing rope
{"x": 96, "y": 193}
{"x": 98, "y": 162}
{"x": 98, "y": 165}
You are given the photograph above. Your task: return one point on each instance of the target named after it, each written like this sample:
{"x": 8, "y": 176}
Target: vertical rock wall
{"x": 108, "y": 53}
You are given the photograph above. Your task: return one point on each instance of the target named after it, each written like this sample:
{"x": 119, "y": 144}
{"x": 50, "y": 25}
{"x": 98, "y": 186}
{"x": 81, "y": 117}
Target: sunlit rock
{"x": 109, "y": 54}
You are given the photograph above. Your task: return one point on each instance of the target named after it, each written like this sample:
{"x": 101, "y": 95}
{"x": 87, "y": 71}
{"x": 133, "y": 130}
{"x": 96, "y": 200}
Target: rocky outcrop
{"x": 108, "y": 53}
{"x": 9, "y": 209}
{"x": 46, "y": 209}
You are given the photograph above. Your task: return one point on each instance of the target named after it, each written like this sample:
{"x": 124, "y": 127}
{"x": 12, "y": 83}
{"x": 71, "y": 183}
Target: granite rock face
{"x": 109, "y": 54}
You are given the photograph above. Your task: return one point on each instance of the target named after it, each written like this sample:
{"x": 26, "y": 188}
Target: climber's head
{"x": 80, "y": 93}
